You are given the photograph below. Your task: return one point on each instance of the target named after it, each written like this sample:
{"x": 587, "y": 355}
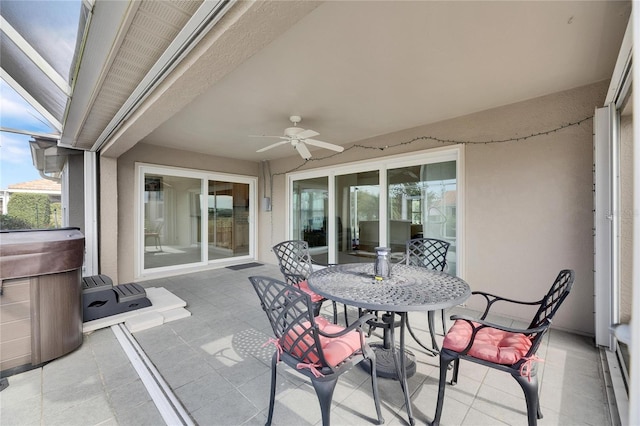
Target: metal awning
{"x": 40, "y": 42}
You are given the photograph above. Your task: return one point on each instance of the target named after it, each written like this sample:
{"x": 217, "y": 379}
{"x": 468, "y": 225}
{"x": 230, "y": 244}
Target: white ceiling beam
{"x": 35, "y": 57}
{"x": 30, "y": 99}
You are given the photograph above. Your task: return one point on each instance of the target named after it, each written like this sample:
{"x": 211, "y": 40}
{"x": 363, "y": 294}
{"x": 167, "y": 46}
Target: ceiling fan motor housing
{"x": 292, "y": 132}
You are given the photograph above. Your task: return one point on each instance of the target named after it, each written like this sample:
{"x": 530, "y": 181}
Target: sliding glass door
{"x": 357, "y": 204}
{"x": 228, "y": 225}
{"x": 191, "y": 218}
{"x": 310, "y": 219}
{"x": 343, "y": 213}
{"x": 423, "y": 204}
{"x": 171, "y": 220}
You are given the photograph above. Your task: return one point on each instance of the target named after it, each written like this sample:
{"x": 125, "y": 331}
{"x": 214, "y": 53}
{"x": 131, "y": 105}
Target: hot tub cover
{"x": 38, "y": 252}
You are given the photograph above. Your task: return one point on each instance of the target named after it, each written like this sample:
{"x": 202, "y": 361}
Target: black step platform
{"x": 100, "y": 298}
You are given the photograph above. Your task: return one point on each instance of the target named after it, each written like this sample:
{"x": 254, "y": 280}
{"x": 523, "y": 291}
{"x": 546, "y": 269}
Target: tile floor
{"x": 215, "y": 363}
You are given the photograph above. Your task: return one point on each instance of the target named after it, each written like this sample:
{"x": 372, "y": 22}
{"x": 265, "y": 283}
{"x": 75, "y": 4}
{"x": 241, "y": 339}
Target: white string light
{"x": 440, "y": 140}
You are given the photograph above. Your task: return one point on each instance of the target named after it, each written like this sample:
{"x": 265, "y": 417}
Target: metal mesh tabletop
{"x": 409, "y": 288}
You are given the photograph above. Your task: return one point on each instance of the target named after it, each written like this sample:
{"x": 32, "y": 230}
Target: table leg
{"x": 386, "y": 365}
{"x": 400, "y": 367}
{"x": 434, "y": 349}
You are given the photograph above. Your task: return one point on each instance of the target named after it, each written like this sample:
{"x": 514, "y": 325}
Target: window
{"x": 422, "y": 199}
{"x": 191, "y": 218}
{"x": 422, "y": 204}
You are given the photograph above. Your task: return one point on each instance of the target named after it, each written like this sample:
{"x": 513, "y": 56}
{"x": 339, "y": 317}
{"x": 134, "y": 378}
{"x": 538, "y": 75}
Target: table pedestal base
{"x": 385, "y": 366}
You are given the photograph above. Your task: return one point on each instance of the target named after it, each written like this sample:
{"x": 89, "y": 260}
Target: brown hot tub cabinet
{"x": 41, "y": 299}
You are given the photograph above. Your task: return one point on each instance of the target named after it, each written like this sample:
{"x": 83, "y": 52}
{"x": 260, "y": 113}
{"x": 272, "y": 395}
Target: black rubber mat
{"x": 244, "y": 266}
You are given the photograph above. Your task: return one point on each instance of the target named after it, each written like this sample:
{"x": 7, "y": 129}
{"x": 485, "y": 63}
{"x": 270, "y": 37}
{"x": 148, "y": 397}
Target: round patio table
{"x": 409, "y": 288}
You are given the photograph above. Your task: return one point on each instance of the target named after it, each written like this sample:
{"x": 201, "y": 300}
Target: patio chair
{"x": 507, "y": 349}
{"x": 430, "y": 253}
{"x": 154, "y": 233}
{"x": 311, "y": 345}
{"x": 296, "y": 265}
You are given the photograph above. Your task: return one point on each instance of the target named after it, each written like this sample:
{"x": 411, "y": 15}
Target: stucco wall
{"x": 155, "y": 155}
{"x": 528, "y": 203}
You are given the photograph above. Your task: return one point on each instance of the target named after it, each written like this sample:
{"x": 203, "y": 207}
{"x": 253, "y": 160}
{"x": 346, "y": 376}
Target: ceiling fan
{"x": 299, "y": 138}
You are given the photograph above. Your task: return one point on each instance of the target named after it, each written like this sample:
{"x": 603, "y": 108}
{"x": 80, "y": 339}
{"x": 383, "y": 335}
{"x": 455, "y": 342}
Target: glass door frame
{"x": 429, "y": 156}
{"x": 205, "y": 176}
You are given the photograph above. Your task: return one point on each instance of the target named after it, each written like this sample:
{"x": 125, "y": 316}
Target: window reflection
{"x": 172, "y": 221}
{"x": 358, "y": 210}
{"x": 310, "y": 214}
{"x": 423, "y": 204}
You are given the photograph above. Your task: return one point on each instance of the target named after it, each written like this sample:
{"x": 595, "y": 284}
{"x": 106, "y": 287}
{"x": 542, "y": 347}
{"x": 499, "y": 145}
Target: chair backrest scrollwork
{"x": 290, "y": 313}
{"x": 294, "y": 260}
{"x": 429, "y": 253}
{"x": 554, "y": 298}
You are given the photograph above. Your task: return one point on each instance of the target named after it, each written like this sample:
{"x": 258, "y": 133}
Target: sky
{"x": 15, "y": 156}
{"x": 53, "y": 26}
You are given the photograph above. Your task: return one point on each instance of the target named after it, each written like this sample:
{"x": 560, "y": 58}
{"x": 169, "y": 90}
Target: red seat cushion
{"x": 304, "y": 286}
{"x": 335, "y": 349}
{"x": 490, "y": 344}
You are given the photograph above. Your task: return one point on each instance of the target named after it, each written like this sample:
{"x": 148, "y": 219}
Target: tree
{"x": 34, "y": 209}
{"x": 10, "y": 222}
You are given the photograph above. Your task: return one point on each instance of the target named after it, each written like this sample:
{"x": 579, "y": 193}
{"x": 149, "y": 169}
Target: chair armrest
{"x": 355, "y": 325}
{"x": 400, "y": 261}
{"x": 484, "y": 324}
{"x": 490, "y": 299}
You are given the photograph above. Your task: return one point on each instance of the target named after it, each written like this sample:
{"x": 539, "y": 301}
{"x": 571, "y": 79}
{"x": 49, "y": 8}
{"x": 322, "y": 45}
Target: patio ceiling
{"x": 352, "y": 70}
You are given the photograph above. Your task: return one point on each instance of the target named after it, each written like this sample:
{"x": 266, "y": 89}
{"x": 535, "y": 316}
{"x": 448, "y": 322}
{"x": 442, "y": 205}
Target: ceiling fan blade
{"x": 273, "y": 145}
{"x": 303, "y": 150}
{"x": 267, "y": 136}
{"x": 307, "y": 134}
{"x": 325, "y": 145}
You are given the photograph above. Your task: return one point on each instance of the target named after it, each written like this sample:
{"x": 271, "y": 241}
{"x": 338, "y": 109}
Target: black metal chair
{"x": 312, "y": 345}
{"x": 504, "y": 348}
{"x": 430, "y": 253}
{"x": 296, "y": 265}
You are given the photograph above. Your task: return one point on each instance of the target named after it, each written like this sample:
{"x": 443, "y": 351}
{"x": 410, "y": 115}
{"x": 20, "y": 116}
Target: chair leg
{"x": 432, "y": 330}
{"x": 445, "y": 360}
{"x": 346, "y": 316}
{"x": 456, "y": 368}
{"x": 272, "y": 396}
{"x": 444, "y": 323}
{"x": 374, "y": 385}
{"x": 530, "y": 389}
{"x": 324, "y": 390}
{"x": 335, "y": 312}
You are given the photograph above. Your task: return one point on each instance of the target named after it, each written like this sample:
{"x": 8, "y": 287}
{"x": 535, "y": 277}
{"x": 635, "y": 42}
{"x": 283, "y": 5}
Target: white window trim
{"x": 435, "y": 155}
{"x": 204, "y": 176}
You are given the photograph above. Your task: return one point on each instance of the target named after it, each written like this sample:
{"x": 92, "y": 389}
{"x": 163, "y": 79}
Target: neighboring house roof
{"x": 39, "y": 186}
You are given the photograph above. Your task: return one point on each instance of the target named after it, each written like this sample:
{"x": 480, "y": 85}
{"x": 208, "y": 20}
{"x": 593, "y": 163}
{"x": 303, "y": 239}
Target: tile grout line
{"x": 168, "y": 405}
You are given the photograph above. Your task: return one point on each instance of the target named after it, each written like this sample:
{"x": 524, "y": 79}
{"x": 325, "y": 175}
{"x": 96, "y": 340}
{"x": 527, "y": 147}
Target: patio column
{"x": 108, "y": 195}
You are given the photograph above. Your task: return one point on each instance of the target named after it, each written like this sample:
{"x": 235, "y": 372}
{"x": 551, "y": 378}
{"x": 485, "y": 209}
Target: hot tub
{"x": 41, "y": 297}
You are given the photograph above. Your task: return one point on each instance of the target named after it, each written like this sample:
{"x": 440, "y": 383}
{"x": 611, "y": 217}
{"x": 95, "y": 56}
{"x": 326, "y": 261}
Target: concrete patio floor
{"x": 215, "y": 363}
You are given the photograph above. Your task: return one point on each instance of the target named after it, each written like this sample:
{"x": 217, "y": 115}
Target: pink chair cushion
{"x": 335, "y": 349}
{"x": 304, "y": 286}
{"x": 490, "y": 344}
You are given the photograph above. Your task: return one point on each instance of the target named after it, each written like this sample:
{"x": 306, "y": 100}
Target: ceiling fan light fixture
{"x": 298, "y": 136}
